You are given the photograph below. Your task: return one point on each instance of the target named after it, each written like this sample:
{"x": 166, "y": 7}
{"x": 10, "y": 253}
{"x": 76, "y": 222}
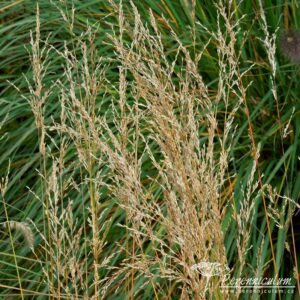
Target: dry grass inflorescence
{"x": 152, "y": 161}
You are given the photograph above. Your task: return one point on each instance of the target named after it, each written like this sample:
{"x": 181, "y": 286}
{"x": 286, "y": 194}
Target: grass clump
{"x": 153, "y": 151}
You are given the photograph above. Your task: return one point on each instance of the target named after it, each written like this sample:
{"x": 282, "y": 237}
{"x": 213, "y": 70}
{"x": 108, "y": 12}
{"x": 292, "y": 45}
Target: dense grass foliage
{"x": 141, "y": 139}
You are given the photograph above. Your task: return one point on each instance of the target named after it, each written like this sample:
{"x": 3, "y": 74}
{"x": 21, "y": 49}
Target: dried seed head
{"x": 290, "y": 45}
{"x": 24, "y": 229}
